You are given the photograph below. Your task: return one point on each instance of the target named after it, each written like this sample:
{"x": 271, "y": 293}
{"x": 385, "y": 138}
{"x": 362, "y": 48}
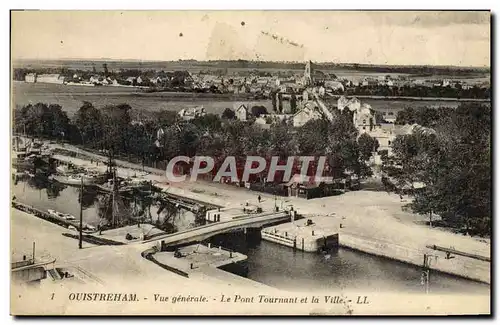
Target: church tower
{"x": 308, "y": 74}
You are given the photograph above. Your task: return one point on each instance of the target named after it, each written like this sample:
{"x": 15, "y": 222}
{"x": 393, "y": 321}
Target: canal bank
{"x": 469, "y": 268}
{"x": 370, "y": 221}
{"x": 268, "y": 264}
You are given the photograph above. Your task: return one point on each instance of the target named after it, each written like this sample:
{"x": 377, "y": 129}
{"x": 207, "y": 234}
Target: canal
{"x": 268, "y": 263}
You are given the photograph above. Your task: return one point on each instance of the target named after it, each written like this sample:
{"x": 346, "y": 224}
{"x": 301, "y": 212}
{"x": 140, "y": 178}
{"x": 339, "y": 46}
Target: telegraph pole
{"x": 426, "y": 271}
{"x": 81, "y": 215}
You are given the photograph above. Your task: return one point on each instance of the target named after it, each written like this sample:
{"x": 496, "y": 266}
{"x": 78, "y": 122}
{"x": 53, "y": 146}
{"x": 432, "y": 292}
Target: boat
{"x": 109, "y": 187}
{"x": 68, "y": 216}
{"x": 89, "y": 228}
{"x": 30, "y": 174}
{"x": 60, "y": 215}
{"x": 72, "y": 179}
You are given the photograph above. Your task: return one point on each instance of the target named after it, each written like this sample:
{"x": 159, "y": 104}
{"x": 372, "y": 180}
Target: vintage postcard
{"x": 250, "y": 163}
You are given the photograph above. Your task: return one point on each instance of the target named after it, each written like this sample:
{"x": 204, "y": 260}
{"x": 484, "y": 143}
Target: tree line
{"x": 153, "y": 138}
{"x": 453, "y": 161}
{"x": 458, "y": 91}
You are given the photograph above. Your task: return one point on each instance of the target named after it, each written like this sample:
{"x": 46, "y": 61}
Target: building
{"x": 309, "y": 112}
{"x": 308, "y": 187}
{"x": 132, "y": 80}
{"x": 241, "y": 89}
{"x": 386, "y": 133}
{"x": 30, "y": 77}
{"x": 308, "y": 74}
{"x": 260, "y": 120}
{"x": 241, "y": 112}
{"x": 446, "y": 83}
{"x": 321, "y": 91}
{"x": 332, "y": 85}
{"x": 273, "y": 118}
{"x": 364, "y": 119}
{"x": 389, "y": 115}
{"x": 155, "y": 80}
{"x": 192, "y": 112}
{"x": 50, "y": 78}
{"x": 352, "y": 104}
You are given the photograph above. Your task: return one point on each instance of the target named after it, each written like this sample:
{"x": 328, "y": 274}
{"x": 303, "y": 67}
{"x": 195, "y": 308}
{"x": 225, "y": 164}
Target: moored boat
{"x": 76, "y": 179}
{"x": 73, "y": 179}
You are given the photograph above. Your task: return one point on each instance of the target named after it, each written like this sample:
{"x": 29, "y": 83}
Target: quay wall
{"x": 465, "y": 267}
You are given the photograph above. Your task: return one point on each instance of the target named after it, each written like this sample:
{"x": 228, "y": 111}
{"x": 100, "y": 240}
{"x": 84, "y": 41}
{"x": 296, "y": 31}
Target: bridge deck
{"x": 204, "y": 232}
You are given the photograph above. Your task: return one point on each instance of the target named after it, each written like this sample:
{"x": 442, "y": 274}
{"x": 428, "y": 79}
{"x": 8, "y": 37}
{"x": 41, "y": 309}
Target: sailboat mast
{"x": 113, "y": 198}
{"x": 81, "y": 215}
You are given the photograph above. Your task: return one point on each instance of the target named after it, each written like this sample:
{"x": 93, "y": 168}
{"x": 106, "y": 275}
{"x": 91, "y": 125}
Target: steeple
{"x": 308, "y": 73}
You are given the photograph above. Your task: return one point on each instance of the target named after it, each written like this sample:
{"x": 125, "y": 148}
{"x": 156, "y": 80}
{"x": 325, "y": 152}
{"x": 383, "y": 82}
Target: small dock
{"x": 308, "y": 235}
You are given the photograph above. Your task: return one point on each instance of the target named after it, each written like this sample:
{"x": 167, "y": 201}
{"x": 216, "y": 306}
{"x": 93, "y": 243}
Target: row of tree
{"x": 420, "y": 91}
{"x": 454, "y": 163}
{"x": 155, "y": 137}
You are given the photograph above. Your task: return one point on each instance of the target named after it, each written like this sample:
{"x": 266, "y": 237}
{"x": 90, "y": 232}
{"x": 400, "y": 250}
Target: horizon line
{"x": 256, "y": 61}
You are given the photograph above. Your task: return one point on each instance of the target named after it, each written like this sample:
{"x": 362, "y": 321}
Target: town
{"x": 220, "y": 181}
{"x": 264, "y": 84}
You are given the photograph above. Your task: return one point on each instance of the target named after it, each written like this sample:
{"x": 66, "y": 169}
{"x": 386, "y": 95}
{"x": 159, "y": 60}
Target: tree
{"x": 228, "y": 114}
{"x": 454, "y": 163}
{"x": 273, "y": 100}
{"x": 165, "y": 117}
{"x": 207, "y": 123}
{"x": 259, "y": 110}
{"x": 406, "y": 116}
{"x": 116, "y": 127}
{"x": 88, "y": 121}
{"x": 282, "y": 142}
{"x": 189, "y": 139}
{"x": 293, "y": 104}
{"x": 311, "y": 138}
{"x": 42, "y": 120}
{"x": 367, "y": 146}
{"x": 343, "y": 149}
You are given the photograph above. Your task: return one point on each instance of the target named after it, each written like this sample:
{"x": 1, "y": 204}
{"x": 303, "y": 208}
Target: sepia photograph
{"x": 250, "y": 162}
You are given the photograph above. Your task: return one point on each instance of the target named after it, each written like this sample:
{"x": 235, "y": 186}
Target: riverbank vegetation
{"x": 450, "y": 154}
{"x": 153, "y": 138}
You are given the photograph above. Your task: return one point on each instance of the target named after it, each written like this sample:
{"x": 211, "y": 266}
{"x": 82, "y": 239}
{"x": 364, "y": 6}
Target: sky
{"x": 458, "y": 38}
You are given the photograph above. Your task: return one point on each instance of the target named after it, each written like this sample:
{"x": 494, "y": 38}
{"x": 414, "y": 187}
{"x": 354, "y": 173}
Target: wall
{"x": 462, "y": 266}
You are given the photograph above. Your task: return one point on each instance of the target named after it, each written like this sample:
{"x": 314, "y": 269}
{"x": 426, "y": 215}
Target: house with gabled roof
{"x": 241, "y": 112}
